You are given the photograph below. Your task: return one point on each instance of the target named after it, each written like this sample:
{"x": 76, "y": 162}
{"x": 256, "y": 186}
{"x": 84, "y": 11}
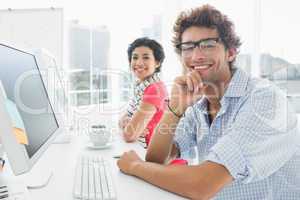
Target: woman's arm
{"x": 139, "y": 121}
{"x": 161, "y": 148}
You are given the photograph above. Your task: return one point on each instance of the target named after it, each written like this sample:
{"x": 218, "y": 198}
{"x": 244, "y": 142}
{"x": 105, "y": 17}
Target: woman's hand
{"x": 124, "y": 121}
{"x": 128, "y": 161}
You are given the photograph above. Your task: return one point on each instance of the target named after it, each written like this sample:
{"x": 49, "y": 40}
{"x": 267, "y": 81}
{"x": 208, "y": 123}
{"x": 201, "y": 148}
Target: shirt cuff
{"x": 227, "y": 153}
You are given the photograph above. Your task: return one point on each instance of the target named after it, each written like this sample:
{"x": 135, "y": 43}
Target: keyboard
{"x": 93, "y": 180}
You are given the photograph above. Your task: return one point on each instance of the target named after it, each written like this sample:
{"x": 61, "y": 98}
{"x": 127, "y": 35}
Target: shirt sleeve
{"x": 262, "y": 138}
{"x": 155, "y": 95}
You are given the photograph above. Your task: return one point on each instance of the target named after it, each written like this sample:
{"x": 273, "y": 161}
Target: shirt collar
{"x": 236, "y": 88}
{"x": 202, "y": 105}
{"x": 238, "y": 84}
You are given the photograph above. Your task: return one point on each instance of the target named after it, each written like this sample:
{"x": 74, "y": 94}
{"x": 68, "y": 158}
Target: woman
{"x": 148, "y": 103}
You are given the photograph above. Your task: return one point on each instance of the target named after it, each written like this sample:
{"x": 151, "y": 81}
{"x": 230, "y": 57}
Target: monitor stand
{"x": 18, "y": 186}
{"x": 36, "y": 179}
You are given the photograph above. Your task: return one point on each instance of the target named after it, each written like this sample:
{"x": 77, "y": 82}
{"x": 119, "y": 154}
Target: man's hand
{"x": 128, "y": 161}
{"x": 186, "y": 90}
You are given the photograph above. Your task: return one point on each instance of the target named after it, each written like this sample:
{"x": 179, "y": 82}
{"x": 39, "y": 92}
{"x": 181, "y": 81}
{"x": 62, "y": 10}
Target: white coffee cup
{"x": 99, "y": 135}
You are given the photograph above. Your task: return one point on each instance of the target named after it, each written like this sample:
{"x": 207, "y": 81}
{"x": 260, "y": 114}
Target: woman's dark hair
{"x": 156, "y": 48}
{"x": 209, "y": 17}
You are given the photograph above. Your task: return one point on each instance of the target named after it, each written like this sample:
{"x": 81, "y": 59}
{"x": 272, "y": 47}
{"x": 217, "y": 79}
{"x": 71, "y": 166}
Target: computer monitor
{"x": 23, "y": 87}
{"x": 57, "y": 88}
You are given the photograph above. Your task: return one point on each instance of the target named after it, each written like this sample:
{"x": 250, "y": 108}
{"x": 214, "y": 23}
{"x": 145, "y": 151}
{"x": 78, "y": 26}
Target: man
{"x": 246, "y": 136}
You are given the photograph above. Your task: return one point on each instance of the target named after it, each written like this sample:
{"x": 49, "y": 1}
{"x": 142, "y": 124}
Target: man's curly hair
{"x": 209, "y": 17}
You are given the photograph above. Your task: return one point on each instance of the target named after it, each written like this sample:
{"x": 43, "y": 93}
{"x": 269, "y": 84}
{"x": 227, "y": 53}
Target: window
{"x": 279, "y": 41}
{"x": 126, "y": 85}
{"x": 88, "y": 58}
{"x": 82, "y": 92}
{"x": 97, "y": 40}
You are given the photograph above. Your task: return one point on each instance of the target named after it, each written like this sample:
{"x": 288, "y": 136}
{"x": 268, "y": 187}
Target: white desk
{"x": 62, "y": 159}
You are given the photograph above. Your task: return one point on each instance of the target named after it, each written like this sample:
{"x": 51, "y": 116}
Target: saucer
{"x": 92, "y": 146}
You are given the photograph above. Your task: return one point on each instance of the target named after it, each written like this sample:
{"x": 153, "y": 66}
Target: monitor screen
{"x": 24, "y": 87}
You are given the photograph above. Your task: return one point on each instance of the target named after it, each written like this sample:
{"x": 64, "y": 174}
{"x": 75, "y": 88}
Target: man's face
{"x": 202, "y": 50}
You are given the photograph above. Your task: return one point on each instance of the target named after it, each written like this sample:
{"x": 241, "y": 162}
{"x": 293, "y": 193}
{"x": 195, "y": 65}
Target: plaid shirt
{"x": 254, "y": 135}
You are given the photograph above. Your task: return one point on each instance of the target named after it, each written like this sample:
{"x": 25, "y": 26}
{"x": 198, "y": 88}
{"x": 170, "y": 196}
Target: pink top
{"x": 155, "y": 94}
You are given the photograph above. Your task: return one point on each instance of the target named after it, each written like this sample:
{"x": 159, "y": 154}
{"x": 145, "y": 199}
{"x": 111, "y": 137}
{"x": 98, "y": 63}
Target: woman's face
{"x": 143, "y": 63}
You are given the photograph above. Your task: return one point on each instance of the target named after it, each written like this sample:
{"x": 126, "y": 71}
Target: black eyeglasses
{"x": 206, "y": 45}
